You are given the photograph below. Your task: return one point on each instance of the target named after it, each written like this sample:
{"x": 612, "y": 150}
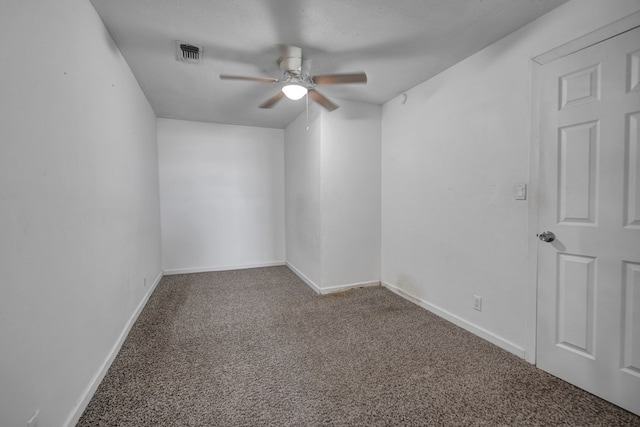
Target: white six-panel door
{"x": 589, "y": 276}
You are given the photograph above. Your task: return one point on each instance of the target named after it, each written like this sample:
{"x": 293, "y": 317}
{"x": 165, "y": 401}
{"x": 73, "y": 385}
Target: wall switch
{"x": 477, "y": 303}
{"x": 520, "y": 192}
{"x": 33, "y": 421}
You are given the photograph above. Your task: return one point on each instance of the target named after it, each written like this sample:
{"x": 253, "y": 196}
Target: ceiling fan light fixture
{"x": 294, "y": 91}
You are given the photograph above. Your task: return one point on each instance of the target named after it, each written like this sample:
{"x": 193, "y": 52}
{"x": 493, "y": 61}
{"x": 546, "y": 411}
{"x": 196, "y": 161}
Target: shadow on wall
{"x": 306, "y": 222}
{"x": 109, "y": 42}
{"x": 350, "y": 113}
{"x": 407, "y": 284}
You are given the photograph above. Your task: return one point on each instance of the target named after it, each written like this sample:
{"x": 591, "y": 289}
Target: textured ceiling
{"x": 398, "y": 43}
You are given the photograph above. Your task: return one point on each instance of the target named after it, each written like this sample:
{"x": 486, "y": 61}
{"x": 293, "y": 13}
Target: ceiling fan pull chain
{"x": 307, "y": 99}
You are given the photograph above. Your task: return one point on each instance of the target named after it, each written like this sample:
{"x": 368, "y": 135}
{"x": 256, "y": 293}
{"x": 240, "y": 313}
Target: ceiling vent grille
{"x": 188, "y": 52}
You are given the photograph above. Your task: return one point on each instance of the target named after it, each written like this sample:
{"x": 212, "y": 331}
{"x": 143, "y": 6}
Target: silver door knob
{"x": 547, "y": 236}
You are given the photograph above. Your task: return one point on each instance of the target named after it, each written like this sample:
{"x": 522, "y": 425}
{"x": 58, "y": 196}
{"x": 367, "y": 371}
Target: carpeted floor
{"x": 259, "y": 348}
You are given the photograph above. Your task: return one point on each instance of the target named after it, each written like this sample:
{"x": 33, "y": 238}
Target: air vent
{"x": 188, "y": 52}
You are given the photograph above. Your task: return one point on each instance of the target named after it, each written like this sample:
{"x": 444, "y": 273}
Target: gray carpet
{"x": 259, "y": 348}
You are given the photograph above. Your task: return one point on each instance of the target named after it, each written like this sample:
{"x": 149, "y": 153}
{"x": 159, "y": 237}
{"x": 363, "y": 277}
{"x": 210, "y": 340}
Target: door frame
{"x": 537, "y": 62}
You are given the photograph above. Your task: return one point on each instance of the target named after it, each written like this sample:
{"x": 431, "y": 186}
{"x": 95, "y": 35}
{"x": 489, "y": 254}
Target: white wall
{"x": 350, "y": 194}
{"x": 302, "y": 195}
{"x": 333, "y": 196}
{"x": 222, "y": 196}
{"x": 79, "y": 208}
{"x": 451, "y": 156}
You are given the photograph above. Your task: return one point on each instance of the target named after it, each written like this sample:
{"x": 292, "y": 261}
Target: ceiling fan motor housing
{"x": 291, "y": 60}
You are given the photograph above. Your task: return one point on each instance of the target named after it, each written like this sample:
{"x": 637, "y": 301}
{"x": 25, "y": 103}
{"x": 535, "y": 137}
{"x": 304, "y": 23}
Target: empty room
{"x": 319, "y": 212}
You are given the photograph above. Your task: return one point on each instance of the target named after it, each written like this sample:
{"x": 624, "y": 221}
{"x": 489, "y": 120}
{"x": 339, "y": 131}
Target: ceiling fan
{"x": 297, "y": 81}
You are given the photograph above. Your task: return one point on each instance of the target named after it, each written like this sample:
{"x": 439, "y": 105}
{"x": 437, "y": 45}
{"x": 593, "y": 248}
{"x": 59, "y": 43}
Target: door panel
{"x": 632, "y": 184}
{"x": 578, "y": 181}
{"x": 575, "y": 300}
{"x": 632, "y": 319}
{"x": 589, "y": 276}
{"x": 580, "y": 87}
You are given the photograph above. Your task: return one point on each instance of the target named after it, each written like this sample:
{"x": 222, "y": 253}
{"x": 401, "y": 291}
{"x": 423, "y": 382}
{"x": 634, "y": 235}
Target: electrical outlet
{"x": 33, "y": 421}
{"x": 477, "y": 303}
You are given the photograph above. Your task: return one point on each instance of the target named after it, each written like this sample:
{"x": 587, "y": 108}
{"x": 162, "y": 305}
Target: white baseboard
{"x": 82, "y": 403}
{"x": 465, "y": 324}
{"x": 173, "y": 271}
{"x": 304, "y": 278}
{"x": 329, "y": 289}
{"x": 346, "y": 287}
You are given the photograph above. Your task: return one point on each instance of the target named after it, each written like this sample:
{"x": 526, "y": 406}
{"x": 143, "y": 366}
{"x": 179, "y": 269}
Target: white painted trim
{"x": 594, "y": 37}
{"x": 531, "y": 290}
{"x": 347, "y": 286}
{"x": 465, "y": 324}
{"x": 173, "y": 271}
{"x": 304, "y": 278}
{"x": 86, "y": 396}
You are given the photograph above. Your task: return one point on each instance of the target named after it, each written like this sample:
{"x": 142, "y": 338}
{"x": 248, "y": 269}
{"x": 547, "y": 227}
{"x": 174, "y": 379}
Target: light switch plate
{"x": 520, "y": 192}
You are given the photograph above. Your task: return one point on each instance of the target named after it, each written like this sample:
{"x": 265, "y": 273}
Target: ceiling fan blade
{"x": 273, "y": 100}
{"x": 329, "y": 79}
{"x": 321, "y": 99}
{"x": 252, "y": 79}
